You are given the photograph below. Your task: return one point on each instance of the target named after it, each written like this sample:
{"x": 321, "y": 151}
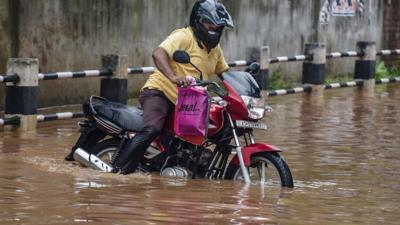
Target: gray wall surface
{"x": 71, "y": 35}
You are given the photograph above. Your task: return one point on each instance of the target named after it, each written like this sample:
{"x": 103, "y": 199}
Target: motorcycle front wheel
{"x": 267, "y": 168}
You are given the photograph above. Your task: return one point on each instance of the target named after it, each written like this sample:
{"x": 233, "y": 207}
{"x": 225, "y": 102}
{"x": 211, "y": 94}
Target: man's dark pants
{"x": 156, "y": 110}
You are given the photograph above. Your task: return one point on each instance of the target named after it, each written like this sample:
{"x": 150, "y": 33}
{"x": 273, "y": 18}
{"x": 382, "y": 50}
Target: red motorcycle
{"x": 228, "y": 152}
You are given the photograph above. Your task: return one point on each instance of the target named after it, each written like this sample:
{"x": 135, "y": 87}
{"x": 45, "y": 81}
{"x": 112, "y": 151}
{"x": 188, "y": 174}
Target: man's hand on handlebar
{"x": 180, "y": 81}
{"x": 184, "y": 81}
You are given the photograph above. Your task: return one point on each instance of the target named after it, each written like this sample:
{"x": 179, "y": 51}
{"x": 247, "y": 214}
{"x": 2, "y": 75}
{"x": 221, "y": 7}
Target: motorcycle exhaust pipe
{"x": 91, "y": 161}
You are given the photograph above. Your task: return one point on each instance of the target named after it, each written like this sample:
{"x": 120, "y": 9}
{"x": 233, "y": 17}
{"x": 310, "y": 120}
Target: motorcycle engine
{"x": 187, "y": 157}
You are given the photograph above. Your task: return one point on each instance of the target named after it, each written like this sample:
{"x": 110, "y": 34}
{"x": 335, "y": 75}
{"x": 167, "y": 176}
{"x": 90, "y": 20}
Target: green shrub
{"x": 338, "y": 78}
{"x": 383, "y": 72}
{"x": 278, "y": 81}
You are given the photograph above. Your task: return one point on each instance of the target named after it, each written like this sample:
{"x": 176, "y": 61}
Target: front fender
{"x": 249, "y": 150}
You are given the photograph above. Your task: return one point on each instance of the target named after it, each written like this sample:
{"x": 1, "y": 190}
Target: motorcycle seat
{"x": 126, "y": 117}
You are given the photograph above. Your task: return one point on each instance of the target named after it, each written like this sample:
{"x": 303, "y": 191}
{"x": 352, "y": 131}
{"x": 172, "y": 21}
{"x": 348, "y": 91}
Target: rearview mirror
{"x": 181, "y": 57}
{"x": 184, "y": 58}
{"x": 253, "y": 68}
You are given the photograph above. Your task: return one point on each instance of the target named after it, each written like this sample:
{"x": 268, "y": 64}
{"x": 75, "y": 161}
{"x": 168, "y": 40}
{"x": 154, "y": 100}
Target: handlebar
{"x": 206, "y": 83}
{"x": 216, "y": 88}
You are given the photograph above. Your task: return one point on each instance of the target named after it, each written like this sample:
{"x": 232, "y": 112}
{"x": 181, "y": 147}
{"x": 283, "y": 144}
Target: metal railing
{"x": 14, "y": 78}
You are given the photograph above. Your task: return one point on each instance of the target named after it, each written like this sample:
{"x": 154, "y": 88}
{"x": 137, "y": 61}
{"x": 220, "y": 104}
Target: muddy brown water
{"x": 343, "y": 150}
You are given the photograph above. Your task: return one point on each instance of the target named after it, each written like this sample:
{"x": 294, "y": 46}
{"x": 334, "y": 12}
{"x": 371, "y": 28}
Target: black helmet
{"x": 213, "y": 12}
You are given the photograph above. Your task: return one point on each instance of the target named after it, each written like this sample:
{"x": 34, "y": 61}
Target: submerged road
{"x": 343, "y": 150}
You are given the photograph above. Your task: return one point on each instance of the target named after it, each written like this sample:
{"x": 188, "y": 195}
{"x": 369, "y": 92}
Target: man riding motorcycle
{"x": 158, "y": 96}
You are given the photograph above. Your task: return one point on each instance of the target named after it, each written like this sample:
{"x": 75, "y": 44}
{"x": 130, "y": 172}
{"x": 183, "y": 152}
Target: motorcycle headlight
{"x": 255, "y": 107}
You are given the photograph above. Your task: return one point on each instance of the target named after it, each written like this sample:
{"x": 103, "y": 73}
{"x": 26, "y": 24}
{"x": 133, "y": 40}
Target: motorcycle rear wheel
{"x": 105, "y": 150}
{"x": 265, "y": 167}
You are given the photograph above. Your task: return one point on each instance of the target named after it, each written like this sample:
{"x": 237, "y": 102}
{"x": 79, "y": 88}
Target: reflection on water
{"x": 343, "y": 151}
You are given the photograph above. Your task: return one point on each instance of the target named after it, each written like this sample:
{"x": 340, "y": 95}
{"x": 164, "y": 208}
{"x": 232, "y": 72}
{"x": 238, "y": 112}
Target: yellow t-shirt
{"x": 184, "y": 39}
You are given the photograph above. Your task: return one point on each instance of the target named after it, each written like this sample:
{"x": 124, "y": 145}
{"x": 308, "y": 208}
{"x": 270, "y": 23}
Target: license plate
{"x": 249, "y": 124}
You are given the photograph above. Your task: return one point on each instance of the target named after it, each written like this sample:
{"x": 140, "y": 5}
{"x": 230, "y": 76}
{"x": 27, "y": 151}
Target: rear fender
{"x": 89, "y": 137}
{"x": 252, "y": 149}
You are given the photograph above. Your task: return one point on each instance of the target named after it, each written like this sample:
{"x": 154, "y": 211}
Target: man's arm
{"x": 222, "y": 65}
{"x": 160, "y": 58}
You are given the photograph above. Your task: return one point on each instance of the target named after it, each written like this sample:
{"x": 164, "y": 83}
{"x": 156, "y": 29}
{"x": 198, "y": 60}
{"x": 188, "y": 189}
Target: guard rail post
{"x": 115, "y": 87}
{"x": 365, "y": 65}
{"x": 21, "y": 97}
{"x": 314, "y": 68}
{"x": 262, "y": 78}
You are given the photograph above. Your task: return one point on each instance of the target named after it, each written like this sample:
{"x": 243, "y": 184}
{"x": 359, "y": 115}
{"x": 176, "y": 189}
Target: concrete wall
{"x": 71, "y": 35}
{"x": 5, "y": 43}
{"x": 391, "y": 36}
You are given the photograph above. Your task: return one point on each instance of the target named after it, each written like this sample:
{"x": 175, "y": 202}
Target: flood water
{"x": 343, "y": 150}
